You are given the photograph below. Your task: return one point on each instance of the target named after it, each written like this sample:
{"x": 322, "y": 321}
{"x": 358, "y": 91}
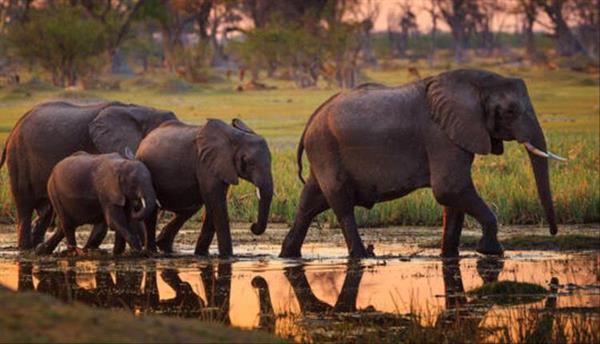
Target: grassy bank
{"x": 32, "y": 317}
{"x": 567, "y": 104}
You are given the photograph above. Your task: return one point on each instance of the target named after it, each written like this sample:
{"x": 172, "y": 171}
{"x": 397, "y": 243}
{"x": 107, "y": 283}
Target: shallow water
{"x": 325, "y": 296}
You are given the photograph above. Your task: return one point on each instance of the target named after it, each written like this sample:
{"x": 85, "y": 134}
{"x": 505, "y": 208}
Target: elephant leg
{"x": 69, "y": 232}
{"x": 206, "y": 235}
{"x": 96, "y": 236}
{"x": 48, "y": 246}
{"x": 340, "y": 200}
{"x": 119, "y": 245}
{"x": 24, "y": 214}
{"x": 452, "y": 228}
{"x": 469, "y": 202}
{"x": 312, "y": 203}
{"x": 216, "y": 207}
{"x": 116, "y": 219}
{"x": 150, "y": 227}
{"x": 168, "y": 233}
{"x": 45, "y": 214}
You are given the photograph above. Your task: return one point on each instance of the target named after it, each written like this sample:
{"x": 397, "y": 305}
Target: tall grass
{"x": 566, "y": 103}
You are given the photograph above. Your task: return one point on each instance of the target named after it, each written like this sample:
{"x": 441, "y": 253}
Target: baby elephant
{"x": 100, "y": 189}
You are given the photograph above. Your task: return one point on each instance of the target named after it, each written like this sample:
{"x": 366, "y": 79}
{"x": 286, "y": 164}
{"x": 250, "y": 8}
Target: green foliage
{"x": 279, "y": 44}
{"x": 510, "y": 293}
{"x": 61, "y": 40}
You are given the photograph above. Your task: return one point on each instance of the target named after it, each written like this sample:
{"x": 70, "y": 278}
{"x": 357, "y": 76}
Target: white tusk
{"x": 143, "y": 203}
{"x": 258, "y": 193}
{"x": 538, "y": 152}
{"x": 556, "y": 157}
{"x": 535, "y": 151}
{"x": 158, "y": 204}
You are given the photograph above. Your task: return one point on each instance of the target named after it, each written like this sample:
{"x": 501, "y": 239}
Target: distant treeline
{"x": 78, "y": 41}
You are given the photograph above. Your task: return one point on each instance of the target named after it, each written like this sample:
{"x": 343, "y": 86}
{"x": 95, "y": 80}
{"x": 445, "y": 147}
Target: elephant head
{"x": 478, "y": 110}
{"x": 135, "y": 186}
{"x": 118, "y": 126}
{"x": 237, "y": 151}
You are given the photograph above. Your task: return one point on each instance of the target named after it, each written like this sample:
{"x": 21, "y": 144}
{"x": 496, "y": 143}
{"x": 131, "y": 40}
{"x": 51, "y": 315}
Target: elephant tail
{"x": 3, "y": 154}
{"x": 301, "y": 143}
{"x": 298, "y": 158}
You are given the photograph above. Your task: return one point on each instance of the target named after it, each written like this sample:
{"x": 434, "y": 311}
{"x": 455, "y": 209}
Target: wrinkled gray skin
{"x": 374, "y": 143}
{"x": 100, "y": 189}
{"x": 52, "y": 131}
{"x": 193, "y": 166}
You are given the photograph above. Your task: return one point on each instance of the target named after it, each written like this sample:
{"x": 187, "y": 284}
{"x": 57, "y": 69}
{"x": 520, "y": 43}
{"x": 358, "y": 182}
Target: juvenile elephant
{"x": 193, "y": 166}
{"x": 375, "y": 143}
{"x": 52, "y": 131}
{"x": 100, "y": 189}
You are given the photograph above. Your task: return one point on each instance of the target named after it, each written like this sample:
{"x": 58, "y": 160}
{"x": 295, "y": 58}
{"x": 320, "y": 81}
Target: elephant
{"x": 193, "y": 166}
{"x": 100, "y": 188}
{"x": 376, "y": 143}
{"x": 52, "y": 131}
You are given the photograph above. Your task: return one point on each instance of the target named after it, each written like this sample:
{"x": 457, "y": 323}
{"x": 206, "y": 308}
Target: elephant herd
{"x": 115, "y": 165}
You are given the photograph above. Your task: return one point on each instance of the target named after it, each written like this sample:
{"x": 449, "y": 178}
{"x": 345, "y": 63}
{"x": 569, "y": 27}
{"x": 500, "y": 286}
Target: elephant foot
{"x": 371, "y": 251}
{"x": 42, "y": 250}
{"x": 165, "y": 246}
{"x": 362, "y": 253}
{"x": 490, "y": 246}
{"x": 290, "y": 253}
{"x": 449, "y": 254}
{"x": 146, "y": 253}
{"x": 74, "y": 251}
{"x": 96, "y": 252}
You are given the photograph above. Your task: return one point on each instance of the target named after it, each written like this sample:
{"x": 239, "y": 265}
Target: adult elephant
{"x": 52, "y": 131}
{"x": 374, "y": 143}
{"x": 192, "y": 166}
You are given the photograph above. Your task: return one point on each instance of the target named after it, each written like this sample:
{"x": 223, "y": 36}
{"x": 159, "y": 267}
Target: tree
{"x": 62, "y": 39}
{"x": 529, "y": 10}
{"x": 114, "y": 16}
{"x": 566, "y": 43}
{"x": 587, "y": 20}
{"x": 13, "y": 11}
{"x": 459, "y": 15}
{"x": 309, "y": 38}
{"x": 433, "y": 12}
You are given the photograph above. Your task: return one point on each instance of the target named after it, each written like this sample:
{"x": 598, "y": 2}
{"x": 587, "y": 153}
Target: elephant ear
{"x": 114, "y": 129}
{"x": 109, "y": 184}
{"x": 216, "y": 150}
{"x": 455, "y": 105}
{"x": 239, "y": 124}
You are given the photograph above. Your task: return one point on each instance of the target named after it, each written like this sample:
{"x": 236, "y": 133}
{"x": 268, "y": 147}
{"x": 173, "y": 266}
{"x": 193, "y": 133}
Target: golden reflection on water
{"x": 274, "y": 295}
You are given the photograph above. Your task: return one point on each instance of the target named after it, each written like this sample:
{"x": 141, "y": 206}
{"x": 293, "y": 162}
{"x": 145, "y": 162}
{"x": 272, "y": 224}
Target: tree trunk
{"x": 529, "y": 39}
{"x": 566, "y": 43}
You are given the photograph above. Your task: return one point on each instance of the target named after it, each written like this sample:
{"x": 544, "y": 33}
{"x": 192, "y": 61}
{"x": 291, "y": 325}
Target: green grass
{"x": 510, "y": 292}
{"x": 567, "y": 104}
{"x": 561, "y": 242}
{"x": 32, "y": 317}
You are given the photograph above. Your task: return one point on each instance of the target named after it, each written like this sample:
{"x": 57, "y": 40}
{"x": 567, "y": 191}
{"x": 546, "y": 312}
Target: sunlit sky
{"x": 389, "y": 9}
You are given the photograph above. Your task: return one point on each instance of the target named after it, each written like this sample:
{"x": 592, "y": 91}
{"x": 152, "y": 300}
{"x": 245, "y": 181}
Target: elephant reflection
{"x": 136, "y": 289}
{"x": 124, "y": 292}
{"x": 309, "y": 303}
{"x": 471, "y": 313}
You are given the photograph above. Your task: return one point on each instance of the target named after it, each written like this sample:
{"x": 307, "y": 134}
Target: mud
{"x": 328, "y": 297}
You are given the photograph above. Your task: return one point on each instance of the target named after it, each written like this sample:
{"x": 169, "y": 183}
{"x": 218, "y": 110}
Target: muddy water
{"x": 324, "y": 296}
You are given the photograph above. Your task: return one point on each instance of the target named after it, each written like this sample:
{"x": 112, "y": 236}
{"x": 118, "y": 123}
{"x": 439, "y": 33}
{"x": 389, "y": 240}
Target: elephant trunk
{"x": 148, "y": 202}
{"x": 539, "y": 163}
{"x": 265, "y": 195}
